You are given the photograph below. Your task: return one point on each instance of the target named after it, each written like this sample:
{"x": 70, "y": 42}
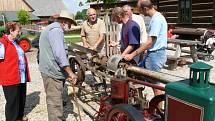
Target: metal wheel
{"x": 25, "y": 44}
{"x": 154, "y": 106}
{"x": 78, "y": 69}
{"x": 124, "y": 112}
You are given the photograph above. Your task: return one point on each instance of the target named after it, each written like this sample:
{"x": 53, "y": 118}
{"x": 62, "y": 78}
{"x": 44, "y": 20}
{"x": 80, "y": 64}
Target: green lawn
{"x": 68, "y": 37}
{"x": 74, "y": 39}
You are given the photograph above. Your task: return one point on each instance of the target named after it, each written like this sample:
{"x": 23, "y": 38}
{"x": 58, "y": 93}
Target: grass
{"x": 72, "y": 37}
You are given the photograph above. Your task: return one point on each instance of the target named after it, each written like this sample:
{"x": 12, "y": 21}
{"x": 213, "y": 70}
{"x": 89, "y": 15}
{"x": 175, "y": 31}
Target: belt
{"x": 156, "y": 50}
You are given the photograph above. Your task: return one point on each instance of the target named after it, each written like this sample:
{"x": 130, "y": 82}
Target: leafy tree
{"x": 81, "y": 15}
{"x": 104, "y": 1}
{"x": 23, "y": 16}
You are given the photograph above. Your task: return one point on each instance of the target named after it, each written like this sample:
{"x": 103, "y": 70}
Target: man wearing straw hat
{"x": 54, "y": 65}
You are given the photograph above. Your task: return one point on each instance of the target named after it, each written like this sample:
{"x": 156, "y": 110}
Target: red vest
{"x": 9, "y": 68}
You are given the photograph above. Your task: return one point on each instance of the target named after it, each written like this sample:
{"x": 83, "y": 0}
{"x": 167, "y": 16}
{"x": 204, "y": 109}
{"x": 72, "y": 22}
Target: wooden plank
{"x": 168, "y": 3}
{"x": 169, "y": 9}
{"x": 171, "y": 14}
{"x": 172, "y": 20}
{"x": 205, "y": 12}
{"x": 201, "y": 1}
{"x": 202, "y": 19}
{"x": 202, "y": 6}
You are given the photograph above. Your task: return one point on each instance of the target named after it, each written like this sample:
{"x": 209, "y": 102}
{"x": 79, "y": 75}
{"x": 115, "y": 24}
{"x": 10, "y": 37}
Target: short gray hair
{"x": 145, "y": 3}
{"x": 118, "y": 11}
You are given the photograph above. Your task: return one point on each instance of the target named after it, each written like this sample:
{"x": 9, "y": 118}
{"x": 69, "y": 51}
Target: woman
{"x": 14, "y": 73}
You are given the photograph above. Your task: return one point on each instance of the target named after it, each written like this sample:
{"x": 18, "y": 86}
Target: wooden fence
{"x": 112, "y": 34}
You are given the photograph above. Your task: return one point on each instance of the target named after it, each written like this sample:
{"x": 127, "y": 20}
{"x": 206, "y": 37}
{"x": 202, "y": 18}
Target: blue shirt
{"x": 158, "y": 29}
{"x": 22, "y": 63}
{"x": 56, "y": 40}
{"x": 130, "y": 35}
{"x": 2, "y": 51}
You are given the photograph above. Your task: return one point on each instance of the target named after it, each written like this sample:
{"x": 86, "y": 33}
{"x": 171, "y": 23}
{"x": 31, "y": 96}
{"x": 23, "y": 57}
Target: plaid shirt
{"x": 22, "y": 63}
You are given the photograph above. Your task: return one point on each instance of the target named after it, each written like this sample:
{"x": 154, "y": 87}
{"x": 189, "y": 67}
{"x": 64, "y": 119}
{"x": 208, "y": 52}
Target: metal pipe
{"x": 152, "y": 75}
{"x": 147, "y": 84}
{"x": 189, "y": 31}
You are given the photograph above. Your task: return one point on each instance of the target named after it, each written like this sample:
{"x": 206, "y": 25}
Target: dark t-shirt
{"x": 130, "y": 35}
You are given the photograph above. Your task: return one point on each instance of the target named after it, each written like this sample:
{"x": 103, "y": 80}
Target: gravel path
{"x": 36, "y": 104}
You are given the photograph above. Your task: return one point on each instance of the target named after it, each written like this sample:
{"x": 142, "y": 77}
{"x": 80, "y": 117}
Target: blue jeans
{"x": 154, "y": 60}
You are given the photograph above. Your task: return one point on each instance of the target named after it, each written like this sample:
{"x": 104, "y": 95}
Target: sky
{"x": 73, "y": 5}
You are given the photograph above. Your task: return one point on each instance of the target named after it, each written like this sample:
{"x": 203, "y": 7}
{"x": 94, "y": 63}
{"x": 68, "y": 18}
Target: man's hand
{"x": 86, "y": 46}
{"x": 113, "y": 44}
{"x": 72, "y": 78}
{"x": 94, "y": 47}
{"x": 128, "y": 57}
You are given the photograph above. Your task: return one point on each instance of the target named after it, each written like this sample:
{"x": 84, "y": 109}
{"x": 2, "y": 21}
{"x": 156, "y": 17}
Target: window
{"x": 185, "y": 15}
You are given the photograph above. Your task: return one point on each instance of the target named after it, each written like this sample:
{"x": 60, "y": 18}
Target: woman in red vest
{"x": 14, "y": 73}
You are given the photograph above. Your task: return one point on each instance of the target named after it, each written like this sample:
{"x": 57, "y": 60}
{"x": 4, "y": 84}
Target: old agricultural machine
{"x": 122, "y": 97}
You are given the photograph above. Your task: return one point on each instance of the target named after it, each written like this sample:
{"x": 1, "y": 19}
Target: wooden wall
{"x": 202, "y": 13}
{"x": 169, "y": 8}
{"x": 14, "y": 5}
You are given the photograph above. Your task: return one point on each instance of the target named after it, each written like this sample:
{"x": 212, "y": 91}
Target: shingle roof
{"x": 12, "y": 16}
{"x": 46, "y": 7}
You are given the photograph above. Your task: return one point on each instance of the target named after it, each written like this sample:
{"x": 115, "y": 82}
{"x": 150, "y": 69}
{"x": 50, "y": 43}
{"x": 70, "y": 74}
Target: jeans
{"x": 154, "y": 60}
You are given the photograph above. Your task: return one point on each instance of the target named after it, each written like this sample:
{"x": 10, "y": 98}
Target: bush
{"x": 24, "y": 17}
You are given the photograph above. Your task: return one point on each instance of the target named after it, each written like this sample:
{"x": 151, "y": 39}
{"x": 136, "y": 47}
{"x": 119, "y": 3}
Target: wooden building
{"x": 189, "y": 13}
{"x": 180, "y": 13}
{"x": 14, "y": 5}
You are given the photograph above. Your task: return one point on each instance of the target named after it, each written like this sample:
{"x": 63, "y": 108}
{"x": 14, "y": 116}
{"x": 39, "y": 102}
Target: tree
{"x": 23, "y": 16}
{"x": 106, "y": 2}
{"x": 81, "y": 15}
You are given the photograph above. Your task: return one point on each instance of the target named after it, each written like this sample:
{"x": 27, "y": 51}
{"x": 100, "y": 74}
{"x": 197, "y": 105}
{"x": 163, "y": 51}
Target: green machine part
{"x": 192, "y": 99}
{"x": 2, "y": 28}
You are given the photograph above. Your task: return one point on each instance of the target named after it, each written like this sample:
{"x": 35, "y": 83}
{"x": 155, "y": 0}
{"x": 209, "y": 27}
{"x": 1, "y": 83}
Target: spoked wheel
{"x": 124, "y": 112}
{"x": 154, "y": 107}
{"x": 25, "y": 44}
{"x": 78, "y": 69}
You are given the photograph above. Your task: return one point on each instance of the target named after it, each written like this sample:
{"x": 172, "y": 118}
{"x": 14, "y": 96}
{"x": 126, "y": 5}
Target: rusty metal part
{"x": 113, "y": 62}
{"x": 154, "y": 106}
{"x": 124, "y": 112}
{"x": 78, "y": 68}
{"x": 146, "y": 84}
{"x": 152, "y": 75}
{"x": 82, "y": 49}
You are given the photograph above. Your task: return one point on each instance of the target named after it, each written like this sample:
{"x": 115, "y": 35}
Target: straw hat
{"x": 66, "y": 14}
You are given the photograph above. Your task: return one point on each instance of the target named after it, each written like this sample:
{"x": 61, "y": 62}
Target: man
{"x": 130, "y": 32}
{"x": 54, "y": 66}
{"x": 139, "y": 20}
{"x": 157, "y": 40}
{"x": 93, "y": 32}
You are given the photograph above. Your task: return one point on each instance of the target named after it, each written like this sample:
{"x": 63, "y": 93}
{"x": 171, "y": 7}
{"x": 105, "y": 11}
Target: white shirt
{"x": 140, "y": 21}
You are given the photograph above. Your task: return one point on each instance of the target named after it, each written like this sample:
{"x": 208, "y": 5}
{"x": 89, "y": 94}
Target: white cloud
{"x": 73, "y": 5}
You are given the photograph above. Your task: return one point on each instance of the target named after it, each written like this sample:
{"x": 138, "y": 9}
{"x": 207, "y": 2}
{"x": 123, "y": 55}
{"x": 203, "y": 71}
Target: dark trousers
{"x": 15, "y": 96}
